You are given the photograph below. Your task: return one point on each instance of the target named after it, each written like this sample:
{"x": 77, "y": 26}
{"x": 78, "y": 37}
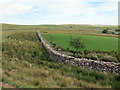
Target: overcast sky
{"x": 59, "y": 12}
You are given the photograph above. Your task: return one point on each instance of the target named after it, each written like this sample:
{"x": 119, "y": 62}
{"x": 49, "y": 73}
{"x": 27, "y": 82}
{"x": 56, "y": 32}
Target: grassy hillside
{"x": 26, "y": 64}
{"x": 66, "y": 29}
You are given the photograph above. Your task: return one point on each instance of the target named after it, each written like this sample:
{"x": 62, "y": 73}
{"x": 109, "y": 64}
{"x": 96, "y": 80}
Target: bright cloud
{"x": 59, "y": 11}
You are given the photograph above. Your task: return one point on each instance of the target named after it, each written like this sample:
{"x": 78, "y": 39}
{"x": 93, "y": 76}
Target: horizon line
{"x": 60, "y": 24}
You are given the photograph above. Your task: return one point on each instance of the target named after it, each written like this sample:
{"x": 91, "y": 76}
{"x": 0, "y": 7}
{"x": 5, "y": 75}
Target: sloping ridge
{"x": 86, "y": 63}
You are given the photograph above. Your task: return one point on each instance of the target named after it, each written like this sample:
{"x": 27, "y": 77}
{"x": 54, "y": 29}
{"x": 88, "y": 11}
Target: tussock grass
{"x": 26, "y": 64}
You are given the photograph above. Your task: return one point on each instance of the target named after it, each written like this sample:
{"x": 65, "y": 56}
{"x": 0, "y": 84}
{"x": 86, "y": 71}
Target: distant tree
{"x": 71, "y": 27}
{"x": 117, "y": 30}
{"x": 105, "y": 31}
{"x": 113, "y": 32}
{"x": 77, "y": 43}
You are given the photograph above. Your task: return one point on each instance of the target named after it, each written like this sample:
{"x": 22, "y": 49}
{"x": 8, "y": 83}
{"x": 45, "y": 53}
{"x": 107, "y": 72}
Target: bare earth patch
{"x": 5, "y": 85}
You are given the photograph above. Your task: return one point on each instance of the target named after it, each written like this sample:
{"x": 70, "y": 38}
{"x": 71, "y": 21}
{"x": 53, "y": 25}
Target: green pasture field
{"x": 100, "y": 43}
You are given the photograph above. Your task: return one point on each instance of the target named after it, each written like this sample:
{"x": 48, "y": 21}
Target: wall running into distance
{"x": 85, "y": 63}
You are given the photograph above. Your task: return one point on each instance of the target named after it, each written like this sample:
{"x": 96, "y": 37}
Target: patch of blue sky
{"x": 95, "y": 4}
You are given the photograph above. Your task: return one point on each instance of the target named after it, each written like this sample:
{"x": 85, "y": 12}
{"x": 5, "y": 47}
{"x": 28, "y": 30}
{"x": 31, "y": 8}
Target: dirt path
{"x": 5, "y": 85}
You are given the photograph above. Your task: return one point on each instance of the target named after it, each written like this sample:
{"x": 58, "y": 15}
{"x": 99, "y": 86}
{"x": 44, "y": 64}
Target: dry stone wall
{"x": 86, "y": 63}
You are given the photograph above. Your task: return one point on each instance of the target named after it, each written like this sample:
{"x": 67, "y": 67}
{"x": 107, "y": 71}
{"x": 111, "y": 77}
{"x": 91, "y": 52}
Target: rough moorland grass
{"x": 76, "y": 29}
{"x": 26, "y": 64}
{"x": 91, "y": 42}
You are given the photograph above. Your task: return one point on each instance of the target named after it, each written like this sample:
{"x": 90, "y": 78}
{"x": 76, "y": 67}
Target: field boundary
{"x": 79, "y": 62}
